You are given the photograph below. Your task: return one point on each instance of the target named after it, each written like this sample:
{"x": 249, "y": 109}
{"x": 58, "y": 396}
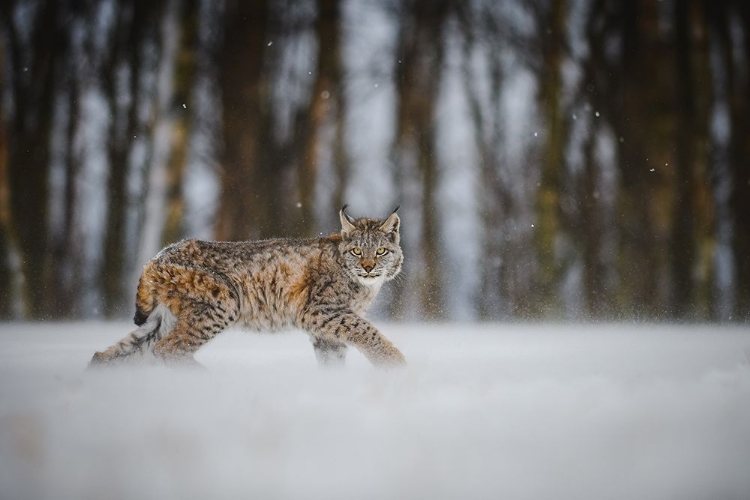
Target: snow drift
{"x": 482, "y": 411}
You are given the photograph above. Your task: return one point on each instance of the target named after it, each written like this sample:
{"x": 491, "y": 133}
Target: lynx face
{"x": 370, "y": 248}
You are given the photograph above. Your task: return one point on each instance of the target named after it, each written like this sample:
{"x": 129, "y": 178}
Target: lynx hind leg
{"x": 329, "y": 353}
{"x": 122, "y": 350}
{"x": 207, "y": 306}
{"x": 197, "y": 323}
{"x": 138, "y": 344}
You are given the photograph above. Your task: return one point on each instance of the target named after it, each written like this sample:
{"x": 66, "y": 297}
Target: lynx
{"x": 193, "y": 290}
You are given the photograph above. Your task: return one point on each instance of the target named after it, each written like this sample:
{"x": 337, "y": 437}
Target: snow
{"x": 482, "y": 411}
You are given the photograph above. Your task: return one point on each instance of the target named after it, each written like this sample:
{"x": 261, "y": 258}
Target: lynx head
{"x": 369, "y": 248}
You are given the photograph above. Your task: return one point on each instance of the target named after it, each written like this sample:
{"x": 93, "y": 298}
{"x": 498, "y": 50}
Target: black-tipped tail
{"x": 140, "y": 317}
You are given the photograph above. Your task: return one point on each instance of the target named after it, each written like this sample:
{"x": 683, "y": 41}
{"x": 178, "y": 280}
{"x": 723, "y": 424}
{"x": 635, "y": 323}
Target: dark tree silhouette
{"x": 32, "y": 79}
{"x": 326, "y": 105}
{"x": 550, "y": 224}
{"x": 418, "y": 69}
{"x": 137, "y": 22}
{"x": 247, "y": 180}
{"x": 182, "y": 106}
{"x": 632, "y": 202}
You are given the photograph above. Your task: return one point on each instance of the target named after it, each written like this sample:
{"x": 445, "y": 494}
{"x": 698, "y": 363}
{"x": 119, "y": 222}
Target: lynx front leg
{"x": 329, "y": 353}
{"x": 373, "y": 344}
{"x": 345, "y": 326}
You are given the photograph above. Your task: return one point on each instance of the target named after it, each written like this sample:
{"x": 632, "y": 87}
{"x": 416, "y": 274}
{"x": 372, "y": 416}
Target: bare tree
{"x": 691, "y": 158}
{"x": 326, "y": 105}
{"x": 137, "y": 22}
{"x": 66, "y": 246}
{"x": 184, "y": 79}
{"x": 552, "y": 21}
{"x": 34, "y": 70}
{"x": 418, "y": 75}
{"x": 6, "y": 273}
{"x": 247, "y": 180}
{"x": 643, "y": 169}
{"x": 737, "y": 64}
{"x": 495, "y": 201}
{"x": 601, "y": 30}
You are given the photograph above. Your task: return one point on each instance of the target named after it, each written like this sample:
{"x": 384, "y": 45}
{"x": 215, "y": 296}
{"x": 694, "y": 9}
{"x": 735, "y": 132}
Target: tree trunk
{"x": 418, "y": 76}
{"x": 640, "y": 168}
{"x": 739, "y": 201}
{"x": 6, "y": 273}
{"x": 246, "y": 192}
{"x": 32, "y": 89}
{"x": 67, "y": 247}
{"x": 703, "y": 198}
{"x": 128, "y": 40}
{"x": 549, "y": 219}
{"x": 596, "y": 303}
{"x": 324, "y": 101}
{"x": 492, "y": 193}
{"x": 682, "y": 249}
{"x": 737, "y": 177}
{"x": 181, "y": 128}
{"x": 341, "y": 163}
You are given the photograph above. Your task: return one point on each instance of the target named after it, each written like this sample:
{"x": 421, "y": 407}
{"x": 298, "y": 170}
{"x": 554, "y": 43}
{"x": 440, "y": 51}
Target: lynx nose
{"x": 367, "y": 268}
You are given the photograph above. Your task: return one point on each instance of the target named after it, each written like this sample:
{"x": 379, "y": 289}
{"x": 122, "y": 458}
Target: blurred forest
{"x": 554, "y": 160}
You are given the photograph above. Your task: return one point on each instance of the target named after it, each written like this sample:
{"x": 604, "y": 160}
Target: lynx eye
{"x": 381, "y": 251}
{"x": 356, "y": 251}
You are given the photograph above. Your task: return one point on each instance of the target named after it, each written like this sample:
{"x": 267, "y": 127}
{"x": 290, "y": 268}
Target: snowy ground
{"x": 482, "y": 411}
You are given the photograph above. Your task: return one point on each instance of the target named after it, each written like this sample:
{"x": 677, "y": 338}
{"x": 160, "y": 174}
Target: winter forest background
{"x": 571, "y": 159}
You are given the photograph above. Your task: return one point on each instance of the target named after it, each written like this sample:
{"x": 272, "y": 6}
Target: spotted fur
{"x": 193, "y": 290}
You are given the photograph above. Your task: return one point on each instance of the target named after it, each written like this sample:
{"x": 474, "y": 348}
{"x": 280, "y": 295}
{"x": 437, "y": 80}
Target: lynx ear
{"x": 391, "y": 226}
{"x": 346, "y": 222}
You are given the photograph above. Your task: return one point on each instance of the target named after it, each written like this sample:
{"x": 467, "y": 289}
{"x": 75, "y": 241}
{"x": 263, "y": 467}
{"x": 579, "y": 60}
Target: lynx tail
{"x": 141, "y": 341}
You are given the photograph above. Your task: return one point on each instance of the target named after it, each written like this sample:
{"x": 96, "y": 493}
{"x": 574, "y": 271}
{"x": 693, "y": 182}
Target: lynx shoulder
{"x": 193, "y": 290}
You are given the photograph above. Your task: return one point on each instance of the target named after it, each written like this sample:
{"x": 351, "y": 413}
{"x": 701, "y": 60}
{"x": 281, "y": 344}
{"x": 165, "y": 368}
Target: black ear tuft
{"x": 391, "y": 226}
{"x": 347, "y": 225}
{"x": 343, "y": 211}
